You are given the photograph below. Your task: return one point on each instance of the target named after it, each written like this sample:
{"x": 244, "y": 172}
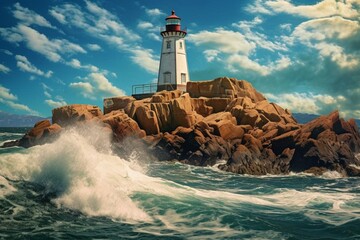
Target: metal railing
{"x": 152, "y": 88}
{"x": 144, "y": 88}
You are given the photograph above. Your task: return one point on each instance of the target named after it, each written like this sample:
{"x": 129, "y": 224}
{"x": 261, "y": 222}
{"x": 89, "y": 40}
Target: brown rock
{"x": 70, "y": 114}
{"x": 147, "y": 120}
{"x": 223, "y": 88}
{"x": 164, "y": 116}
{"x": 199, "y": 105}
{"x": 122, "y": 125}
{"x": 182, "y": 113}
{"x": 243, "y": 102}
{"x": 41, "y": 133}
{"x": 118, "y": 103}
{"x": 247, "y": 117}
{"x": 165, "y": 96}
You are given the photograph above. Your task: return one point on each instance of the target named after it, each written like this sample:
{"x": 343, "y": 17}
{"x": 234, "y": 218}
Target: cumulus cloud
{"x": 307, "y": 102}
{"x": 24, "y": 65}
{"x": 102, "y": 24}
{"x": 86, "y": 89}
{"x": 321, "y": 9}
{"x": 97, "y": 85}
{"x": 154, "y": 12}
{"x": 4, "y": 69}
{"x": 29, "y": 17}
{"x": 55, "y": 104}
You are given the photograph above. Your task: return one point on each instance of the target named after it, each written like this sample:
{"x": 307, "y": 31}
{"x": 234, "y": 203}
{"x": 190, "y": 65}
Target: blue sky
{"x": 303, "y": 55}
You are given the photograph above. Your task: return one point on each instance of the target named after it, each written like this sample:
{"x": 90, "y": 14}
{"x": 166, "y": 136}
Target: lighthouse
{"x": 173, "y": 69}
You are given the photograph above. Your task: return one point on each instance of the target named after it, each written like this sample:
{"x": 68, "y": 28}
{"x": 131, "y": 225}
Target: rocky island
{"x": 223, "y": 119}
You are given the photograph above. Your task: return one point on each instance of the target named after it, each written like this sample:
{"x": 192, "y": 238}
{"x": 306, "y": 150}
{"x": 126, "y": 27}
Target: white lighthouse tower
{"x": 173, "y": 70}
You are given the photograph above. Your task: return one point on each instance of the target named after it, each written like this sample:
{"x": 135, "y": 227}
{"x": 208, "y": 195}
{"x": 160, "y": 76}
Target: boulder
{"x": 122, "y": 125}
{"x": 182, "y": 112}
{"x": 199, "y": 105}
{"x": 244, "y": 102}
{"x": 223, "y": 88}
{"x": 165, "y": 96}
{"x": 70, "y": 114}
{"x": 147, "y": 120}
{"x": 164, "y": 116}
{"x": 41, "y": 133}
{"x": 118, "y": 103}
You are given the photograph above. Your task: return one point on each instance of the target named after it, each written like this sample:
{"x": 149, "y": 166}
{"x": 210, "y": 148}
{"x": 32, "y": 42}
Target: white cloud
{"x": 236, "y": 48}
{"x": 104, "y": 85}
{"x": 29, "y": 17}
{"x": 154, "y": 12}
{"x": 259, "y": 39}
{"x": 55, "y": 104}
{"x": 144, "y": 25}
{"x": 226, "y": 41}
{"x": 86, "y": 89}
{"x": 58, "y": 16}
{"x": 258, "y": 7}
{"x": 96, "y": 84}
{"x": 325, "y": 8}
{"x": 240, "y": 61}
{"x": 286, "y": 26}
{"x": 336, "y": 54}
{"x": 11, "y": 35}
{"x": 154, "y": 36}
{"x": 307, "y": 102}
{"x": 7, "y": 98}
{"x": 52, "y": 49}
{"x": 7, "y": 52}
{"x": 4, "y": 69}
{"x": 102, "y": 24}
{"x": 75, "y": 63}
{"x": 146, "y": 59}
{"x": 329, "y": 36}
{"x": 93, "y": 47}
{"x": 47, "y": 90}
{"x": 19, "y": 106}
{"x": 24, "y": 65}
{"x": 6, "y": 94}
{"x": 211, "y": 55}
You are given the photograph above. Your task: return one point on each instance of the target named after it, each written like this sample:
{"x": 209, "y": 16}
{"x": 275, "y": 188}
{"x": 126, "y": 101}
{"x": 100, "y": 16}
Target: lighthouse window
{"x": 168, "y": 44}
{"x": 180, "y": 45}
{"x": 173, "y": 22}
{"x": 183, "y": 78}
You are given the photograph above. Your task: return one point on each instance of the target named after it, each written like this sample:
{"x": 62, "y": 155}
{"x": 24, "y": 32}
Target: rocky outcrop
{"x": 224, "y": 119}
{"x": 71, "y": 114}
{"x": 41, "y": 133}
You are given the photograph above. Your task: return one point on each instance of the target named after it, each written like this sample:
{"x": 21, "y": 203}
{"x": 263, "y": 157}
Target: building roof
{"x": 173, "y": 16}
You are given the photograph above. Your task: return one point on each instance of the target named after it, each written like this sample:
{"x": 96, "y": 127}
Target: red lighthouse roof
{"x": 172, "y": 16}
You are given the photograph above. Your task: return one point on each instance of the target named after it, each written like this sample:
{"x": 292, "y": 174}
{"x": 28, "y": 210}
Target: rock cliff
{"x": 223, "y": 119}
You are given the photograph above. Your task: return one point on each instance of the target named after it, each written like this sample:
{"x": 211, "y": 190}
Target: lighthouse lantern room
{"x": 173, "y": 69}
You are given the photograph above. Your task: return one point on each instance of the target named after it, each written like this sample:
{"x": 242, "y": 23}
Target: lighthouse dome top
{"x": 173, "y": 16}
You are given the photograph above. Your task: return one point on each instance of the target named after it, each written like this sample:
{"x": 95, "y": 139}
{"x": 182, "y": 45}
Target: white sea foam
{"x": 5, "y": 187}
{"x": 86, "y": 176}
{"x": 81, "y": 169}
{"x": 8, "y": 134}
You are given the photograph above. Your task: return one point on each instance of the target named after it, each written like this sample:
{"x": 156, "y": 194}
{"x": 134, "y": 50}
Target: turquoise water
{"x": 77, "y": 188}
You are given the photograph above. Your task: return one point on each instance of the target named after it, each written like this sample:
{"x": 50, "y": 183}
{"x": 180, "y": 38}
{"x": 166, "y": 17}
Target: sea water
{"x": 77, "y": 187}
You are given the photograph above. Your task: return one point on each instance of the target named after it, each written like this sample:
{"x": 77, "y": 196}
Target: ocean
{"x": 78, "y": 188}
